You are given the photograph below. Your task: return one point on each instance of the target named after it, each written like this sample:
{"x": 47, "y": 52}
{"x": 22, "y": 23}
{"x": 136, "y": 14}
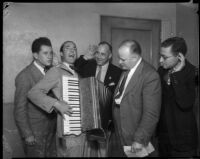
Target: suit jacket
{"x": 29, "y": 119}
{"x": 140, "y": 106}
{"x": 87, "y": 68}
{"x": 177, "y": 116}
{"x": 51, "y": 81}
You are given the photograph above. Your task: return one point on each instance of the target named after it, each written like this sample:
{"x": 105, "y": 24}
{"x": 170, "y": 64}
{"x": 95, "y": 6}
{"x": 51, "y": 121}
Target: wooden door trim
{"x": 153, "y": 25}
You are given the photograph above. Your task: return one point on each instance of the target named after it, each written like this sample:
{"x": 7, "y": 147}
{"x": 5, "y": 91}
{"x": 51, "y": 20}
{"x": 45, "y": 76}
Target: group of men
{"x": 145, "y": 102}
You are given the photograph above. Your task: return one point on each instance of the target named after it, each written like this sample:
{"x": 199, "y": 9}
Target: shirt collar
{"x": 134, "y": 68}
{"x": 67, "y": 65}
{"x": 39, "y": 67}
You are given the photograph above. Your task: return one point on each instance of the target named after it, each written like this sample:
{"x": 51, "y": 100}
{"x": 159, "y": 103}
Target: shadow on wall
{"x": 12, "y": 145}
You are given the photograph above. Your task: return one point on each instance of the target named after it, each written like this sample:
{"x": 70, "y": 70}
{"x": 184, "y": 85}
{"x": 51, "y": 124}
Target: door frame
{"x": 153, "y": 25}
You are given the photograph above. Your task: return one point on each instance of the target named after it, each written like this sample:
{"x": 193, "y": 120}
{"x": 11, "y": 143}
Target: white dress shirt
{"x": 104, "y": 69}
{"x": 130, "y": 74}
{"x": 39, "y": 67}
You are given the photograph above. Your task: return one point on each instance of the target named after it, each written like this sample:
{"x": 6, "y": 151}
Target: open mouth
{"x": 72, "y": 56}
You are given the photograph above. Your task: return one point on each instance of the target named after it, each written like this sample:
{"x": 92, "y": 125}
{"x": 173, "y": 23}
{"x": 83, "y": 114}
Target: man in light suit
{"x": 36, "y": 127}
{"x": 137, "y": 101}
{"x": 70, "y": 145}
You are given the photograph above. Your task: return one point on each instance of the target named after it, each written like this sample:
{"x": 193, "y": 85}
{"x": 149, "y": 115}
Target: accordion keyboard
{"x": 72, "y": 123}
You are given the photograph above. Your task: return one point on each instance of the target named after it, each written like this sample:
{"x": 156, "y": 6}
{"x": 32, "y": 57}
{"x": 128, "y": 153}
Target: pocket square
{"x": 111, "y": 84}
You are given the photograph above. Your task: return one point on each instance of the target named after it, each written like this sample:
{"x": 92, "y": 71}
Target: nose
{"x": 120, "y": 61}
{"x": 50, "y": 56}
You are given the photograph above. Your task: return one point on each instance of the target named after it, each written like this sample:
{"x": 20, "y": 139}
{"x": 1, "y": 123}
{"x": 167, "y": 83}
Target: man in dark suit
{"x": 177, "y": 128}
{"x": 97, "y": 63}
{"x": 137, "y": 101}
{"x": 36, "y": 127}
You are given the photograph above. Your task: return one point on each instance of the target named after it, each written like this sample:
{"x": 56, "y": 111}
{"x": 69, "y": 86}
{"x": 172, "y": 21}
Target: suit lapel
{"x": 36, "y": 73}
{"x": 134, "y": 79}
{"x": 108, "y": 74}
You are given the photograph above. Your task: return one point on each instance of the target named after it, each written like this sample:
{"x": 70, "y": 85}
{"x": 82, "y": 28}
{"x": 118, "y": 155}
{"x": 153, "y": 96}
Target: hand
{"x": 90, "y": 52}
{"x": 181, "y": 63}
{"x": 30, "y": 140}
{"x": 136, "y": 147}
{"x": 63, "y": 108}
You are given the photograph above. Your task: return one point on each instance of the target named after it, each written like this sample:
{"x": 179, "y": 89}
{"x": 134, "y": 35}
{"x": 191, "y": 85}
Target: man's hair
{"x": 178, "y": 45}
{"x": 135, "y": 47}
{"x": 37, "y": 43}
{"x": 61, "y": 47}
{"x": 106, "y": 43}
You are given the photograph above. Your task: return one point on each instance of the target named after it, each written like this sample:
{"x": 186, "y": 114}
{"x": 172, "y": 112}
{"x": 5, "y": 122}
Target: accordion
{"x": 91, "y": 103}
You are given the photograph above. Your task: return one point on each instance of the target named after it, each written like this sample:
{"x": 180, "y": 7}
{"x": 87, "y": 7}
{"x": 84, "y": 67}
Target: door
{"x": 147, "y": 32}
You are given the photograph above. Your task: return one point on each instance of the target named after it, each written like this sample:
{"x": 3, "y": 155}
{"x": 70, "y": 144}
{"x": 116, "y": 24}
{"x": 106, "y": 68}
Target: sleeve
{"x": 80, "y": 64}
{"x": 184, "y": 88}
{"x": 38, "y": 94}
{"x": 151, "y": 96}
{"x": 22, "y": 85}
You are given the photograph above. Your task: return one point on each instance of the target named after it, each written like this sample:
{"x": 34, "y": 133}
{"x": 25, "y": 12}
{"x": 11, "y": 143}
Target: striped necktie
{"x": 121, "y": 87}
{"x": 99, "y": 73}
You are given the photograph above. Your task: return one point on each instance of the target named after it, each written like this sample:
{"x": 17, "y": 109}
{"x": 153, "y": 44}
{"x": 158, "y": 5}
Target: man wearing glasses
{"x": 177, "y": 129}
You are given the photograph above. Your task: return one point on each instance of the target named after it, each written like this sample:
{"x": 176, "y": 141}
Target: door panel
{"x": 147, "y": 32}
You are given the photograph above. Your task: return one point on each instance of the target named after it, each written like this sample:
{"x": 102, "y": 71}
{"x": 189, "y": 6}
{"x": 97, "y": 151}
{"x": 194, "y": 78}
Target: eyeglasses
{"x": 165, "y": 58}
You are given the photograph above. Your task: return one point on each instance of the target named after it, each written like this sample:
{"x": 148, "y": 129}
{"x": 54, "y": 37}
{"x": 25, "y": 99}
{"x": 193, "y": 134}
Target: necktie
{"x": 45, "y": 69}
{"x": 99, "y": 74}
{"x": 121, "y": 87}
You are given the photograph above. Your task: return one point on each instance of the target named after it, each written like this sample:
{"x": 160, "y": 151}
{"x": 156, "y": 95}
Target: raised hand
{"x": 181, "y": 63}
{"x": 90, "y": 52}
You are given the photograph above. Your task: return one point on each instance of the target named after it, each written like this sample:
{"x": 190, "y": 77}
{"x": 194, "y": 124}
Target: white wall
{"x": 79, "y": 22}
{"x": 187, "y": 26}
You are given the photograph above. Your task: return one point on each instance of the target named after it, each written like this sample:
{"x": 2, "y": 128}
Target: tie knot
{"x": 126, "y": 72}
{"x": 46, "y": 69}
{"x": 71, "y": 66}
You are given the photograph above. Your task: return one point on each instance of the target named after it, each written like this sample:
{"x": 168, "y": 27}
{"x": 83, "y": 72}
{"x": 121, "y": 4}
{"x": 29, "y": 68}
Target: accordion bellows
{"x": 95, "y": 101}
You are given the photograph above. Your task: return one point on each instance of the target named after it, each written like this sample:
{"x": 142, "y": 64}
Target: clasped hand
{"x": 136, "y": 147}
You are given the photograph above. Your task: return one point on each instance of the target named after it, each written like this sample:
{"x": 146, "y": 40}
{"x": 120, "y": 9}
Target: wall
{"x": 187, "y": 26}
{"x": 79, "y": 22}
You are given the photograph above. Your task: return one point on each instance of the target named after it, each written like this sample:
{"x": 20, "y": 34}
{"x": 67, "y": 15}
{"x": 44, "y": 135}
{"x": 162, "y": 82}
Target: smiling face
{"x": 103, "y": 55}
{"x": 69, "y": 52}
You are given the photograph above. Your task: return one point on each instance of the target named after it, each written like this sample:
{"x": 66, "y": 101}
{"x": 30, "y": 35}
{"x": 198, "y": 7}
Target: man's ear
{"x": 110, "y": 56}
{"x": 35, "y": 55}
{"x": 61, "y": 54}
